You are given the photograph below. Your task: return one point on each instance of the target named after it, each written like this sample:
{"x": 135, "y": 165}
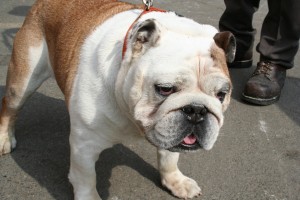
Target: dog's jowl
{"x": 167, "y": 81}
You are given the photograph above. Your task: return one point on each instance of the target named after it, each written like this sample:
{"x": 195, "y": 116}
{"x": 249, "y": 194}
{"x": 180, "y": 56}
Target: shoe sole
{"x": 240, "y": 64}
{"x": 259, "y": 101}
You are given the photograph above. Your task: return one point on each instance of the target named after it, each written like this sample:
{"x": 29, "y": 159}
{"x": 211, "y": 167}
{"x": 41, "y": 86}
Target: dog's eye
{"x": 164, "y": 90}
{"x": 221, "y": 96}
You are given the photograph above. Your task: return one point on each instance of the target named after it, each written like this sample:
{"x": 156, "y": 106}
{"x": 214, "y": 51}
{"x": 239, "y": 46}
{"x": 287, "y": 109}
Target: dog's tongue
{"x": 191, "y": 139}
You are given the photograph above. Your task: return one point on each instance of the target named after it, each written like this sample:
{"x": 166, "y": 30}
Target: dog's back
{"x": 49, "y": 42}
{"x": 61, "y": 23}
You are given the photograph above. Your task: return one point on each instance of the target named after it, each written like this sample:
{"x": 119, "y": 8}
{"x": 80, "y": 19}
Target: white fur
{"x": 172, "y": 178}
{"x": 39, "y": 65}
{"x": 7, "y": 139}
{"x": 98, "y": 120}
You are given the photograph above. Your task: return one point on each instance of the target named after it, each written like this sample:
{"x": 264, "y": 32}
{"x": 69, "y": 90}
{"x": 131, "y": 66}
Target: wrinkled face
{"x": 177, "y": 91}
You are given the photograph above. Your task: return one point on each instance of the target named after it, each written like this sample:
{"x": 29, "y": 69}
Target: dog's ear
{"x": 226, "y": 41}
{"x": 146, "y": 35}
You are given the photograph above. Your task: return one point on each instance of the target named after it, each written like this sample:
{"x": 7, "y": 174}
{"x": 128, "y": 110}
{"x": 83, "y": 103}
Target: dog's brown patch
{"x": 218, "y": 56}
{"x": 66, "y": 26}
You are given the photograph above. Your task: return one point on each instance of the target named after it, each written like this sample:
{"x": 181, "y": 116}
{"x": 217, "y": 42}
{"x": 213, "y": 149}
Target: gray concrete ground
{"x": 257, "y": 155}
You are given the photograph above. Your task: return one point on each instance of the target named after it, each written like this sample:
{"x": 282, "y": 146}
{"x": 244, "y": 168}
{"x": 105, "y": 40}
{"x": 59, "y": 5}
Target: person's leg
{"x": 237, "y": 18}
{"x": 278, "y": 46}
{"x": 280, "y": 33}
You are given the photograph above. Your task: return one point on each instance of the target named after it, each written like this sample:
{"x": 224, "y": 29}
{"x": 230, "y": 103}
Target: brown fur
{"x": 218, "y": 56}
{"x": 64, "y": 24}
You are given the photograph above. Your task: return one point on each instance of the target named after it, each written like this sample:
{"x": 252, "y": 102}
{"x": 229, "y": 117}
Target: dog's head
{"x": 174, "y": 81}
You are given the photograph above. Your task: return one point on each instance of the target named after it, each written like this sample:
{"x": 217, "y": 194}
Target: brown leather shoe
{"x": 264, "y": 86}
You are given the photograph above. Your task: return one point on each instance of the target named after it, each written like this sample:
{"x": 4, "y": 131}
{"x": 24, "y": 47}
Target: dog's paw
{"x": 180, "y": 185}
{"x": 7, "y": 143}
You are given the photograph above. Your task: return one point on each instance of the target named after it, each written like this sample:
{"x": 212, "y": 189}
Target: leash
{"x": 148, "y": 8}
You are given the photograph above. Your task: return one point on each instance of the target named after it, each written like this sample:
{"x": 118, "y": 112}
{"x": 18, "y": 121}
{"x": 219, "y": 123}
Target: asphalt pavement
{"x": 256, "y": 157}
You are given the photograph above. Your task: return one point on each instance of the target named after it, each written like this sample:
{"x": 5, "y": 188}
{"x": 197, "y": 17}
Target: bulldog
{"x": 124, "y": 71}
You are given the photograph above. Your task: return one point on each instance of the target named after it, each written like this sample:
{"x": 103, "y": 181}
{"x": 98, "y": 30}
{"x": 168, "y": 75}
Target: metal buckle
{"x": 148, "y": 3}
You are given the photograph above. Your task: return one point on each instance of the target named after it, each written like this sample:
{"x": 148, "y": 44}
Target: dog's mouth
{"x": 189, "y": 143}
{"x": 189, "y": 140}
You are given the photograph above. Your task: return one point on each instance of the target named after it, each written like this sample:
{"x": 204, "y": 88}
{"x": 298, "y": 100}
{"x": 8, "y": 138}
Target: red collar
{"x": 151, "y": 9}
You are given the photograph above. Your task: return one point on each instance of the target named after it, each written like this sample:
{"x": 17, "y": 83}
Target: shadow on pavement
{"x": 20, "y": 10}
{"x": 289, "y": 101}
{"x": 42, "y": 132}
{"x": 8, "y": 36}
{"x": 42, "y": 151}
{"x": 120, "y": 155}
{"x": 239, "y": 78}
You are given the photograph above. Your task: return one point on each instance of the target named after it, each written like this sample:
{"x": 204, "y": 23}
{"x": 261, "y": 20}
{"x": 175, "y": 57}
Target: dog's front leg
{"x": 84, "y": 154}
{"x": 172, "y": 178}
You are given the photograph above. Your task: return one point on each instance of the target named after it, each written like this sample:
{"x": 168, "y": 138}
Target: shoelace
{"x": 263, "y": 68}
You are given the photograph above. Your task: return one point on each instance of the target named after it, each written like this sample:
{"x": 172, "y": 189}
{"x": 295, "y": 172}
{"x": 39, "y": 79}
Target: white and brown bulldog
{"x": 123, "y": 73}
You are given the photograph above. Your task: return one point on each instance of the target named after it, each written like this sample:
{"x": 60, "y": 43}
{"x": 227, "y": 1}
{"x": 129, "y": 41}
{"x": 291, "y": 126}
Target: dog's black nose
{"x": 195, "y": 112}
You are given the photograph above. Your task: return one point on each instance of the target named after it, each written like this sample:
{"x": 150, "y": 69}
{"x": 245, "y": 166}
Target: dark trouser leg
{"x": 278, "y": 46}
{"x": 280, "y": 32}
{"x": 237, "y": 18}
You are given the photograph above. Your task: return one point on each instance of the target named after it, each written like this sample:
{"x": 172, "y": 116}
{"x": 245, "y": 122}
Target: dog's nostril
{"x": 203, "y": 111}
{"x": 194, "y": 109}
{"x": 188, "y": 109}
{"x": 195, "y": 113}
